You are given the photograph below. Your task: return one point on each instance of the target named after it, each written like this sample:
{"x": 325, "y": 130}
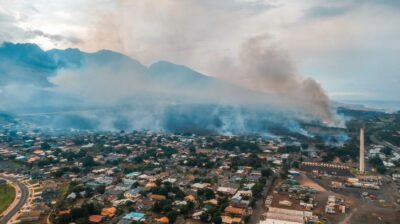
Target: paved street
{"x": 24, "y": 195}
{"x": 259, "y": 208}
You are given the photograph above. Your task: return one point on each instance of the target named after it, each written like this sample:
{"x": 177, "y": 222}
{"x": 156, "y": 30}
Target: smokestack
{"x": 362, "y": 151}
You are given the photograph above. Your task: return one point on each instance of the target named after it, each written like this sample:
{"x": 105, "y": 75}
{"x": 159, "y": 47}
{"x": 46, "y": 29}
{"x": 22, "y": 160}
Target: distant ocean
{"x": 387, "y": 106}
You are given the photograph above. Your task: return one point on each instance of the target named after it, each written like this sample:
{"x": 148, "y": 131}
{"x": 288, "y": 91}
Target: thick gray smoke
{"x": 110, "y": 91}
{"x": 261, "y": 64}
{"x": 264, "y": 66}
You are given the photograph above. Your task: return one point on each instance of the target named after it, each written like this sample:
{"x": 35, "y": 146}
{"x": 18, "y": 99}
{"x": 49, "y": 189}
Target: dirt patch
{"x": 305, "y": 181}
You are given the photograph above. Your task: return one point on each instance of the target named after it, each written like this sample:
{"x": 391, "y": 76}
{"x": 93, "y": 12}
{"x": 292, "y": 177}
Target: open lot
{"x": 307, "y": 182}
{"x": 363, "y": 210}
{"x": 7, "y": 195}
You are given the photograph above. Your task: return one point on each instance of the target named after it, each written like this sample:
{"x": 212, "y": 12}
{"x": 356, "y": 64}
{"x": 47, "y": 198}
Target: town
{"x": 145, "y": 177}
{"x": 200, "y": 112}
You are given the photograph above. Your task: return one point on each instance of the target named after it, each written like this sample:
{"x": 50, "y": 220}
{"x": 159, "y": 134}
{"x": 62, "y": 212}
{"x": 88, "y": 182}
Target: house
{"x": 170, "y": 180}
{"x": 189, "y": 198}
{"x": 230, "y": 220}
{"x": 72, "y": 196}
{"x": 197, "y": 186}
{"x": 151, "y": 185}
{"x": 133, "y": 193}
{"x": 144, "y": 177}
{"x": 64, "y": 212}
{"x": 247, "y": 193}
{"x": 396, "y": 176}
{"x": 96, "y": 218}
{"x": 162, "y": 220}
{"x": 234, "y": 212}
{"x": 108, "y": 212}
{"x": 240, "y": 203}
{"x": 197, "y": 215}
{"x": 294, "y": 172}
{"x": 157, "y": 197}
{"x": 226, "y": 190}
{"x": 211, "y": 202}
{"x": 285, "y": 203}
{"x": 104, "y": 180}
{"x": 289, "y": 216}
{"x": 144, "y": 205}
{"x": 113, "y": 191}
{"x": 123, "y": 187}
{"x": 134, "y": 216}
{"x": 94, "y": 185}
{"x": 29, "y": 216}
{"x": 129, "y": 181}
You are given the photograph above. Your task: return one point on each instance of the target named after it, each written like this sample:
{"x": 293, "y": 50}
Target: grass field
{"x": 7, "y": 195}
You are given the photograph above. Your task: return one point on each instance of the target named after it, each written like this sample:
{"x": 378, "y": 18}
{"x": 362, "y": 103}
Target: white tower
{"x": 362, "y": 151}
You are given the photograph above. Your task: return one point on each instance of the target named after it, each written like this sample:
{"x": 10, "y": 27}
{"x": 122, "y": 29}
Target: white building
{"x": 286, "y": 216}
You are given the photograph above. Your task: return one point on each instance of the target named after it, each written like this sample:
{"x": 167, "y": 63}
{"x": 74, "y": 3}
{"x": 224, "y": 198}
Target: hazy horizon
{"x": 238, "y": 61}
{"x": 349, "y": 47}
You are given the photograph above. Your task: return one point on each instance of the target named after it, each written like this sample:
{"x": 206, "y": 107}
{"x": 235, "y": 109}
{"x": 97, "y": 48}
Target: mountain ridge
{"x": 30, "y": 54}
{"x": 57, "y": 86}
{"x": 35, "y": 66}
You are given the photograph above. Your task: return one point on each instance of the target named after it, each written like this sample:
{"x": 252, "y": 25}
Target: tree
{"x": 158, "y": 182}
{"x": 157, "y": 208}
{"x": 45, "y": 146}
{"x": 81, "y": 153}
{"x": 266, "y": 172}
{"x": 233, "y": 144}
{"x": 172, "y": 215}
{"x": 101, "y": 189}
{"x": 180, "y": 195}
{"x": 376, "y": 161}
{"x": 184, "y": 209}
{"x": 75, "y": 169}
{"x": 206, "y": 193}
{"x": 387, "y": 151}
{"x": 77, "y": 213}
{"x": 63, "y": 219}
{"x": 204, "y": 217}
{"x": 88, "y": 161}
{"x": 162, "y": 206}
{"x": 192, "y": 149}
{"x": 217, "y": 219}
{"x": 290, "y": 149}
{"x": 58, "y": 173}
{"x": 190, "y": 205}
{"x": 82, "y": 221}
{"x": 381, "y": 169}
{"x": 89, "y": 209}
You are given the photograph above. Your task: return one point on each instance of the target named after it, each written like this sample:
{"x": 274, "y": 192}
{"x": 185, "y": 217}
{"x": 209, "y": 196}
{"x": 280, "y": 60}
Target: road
{"x": 24, "y": 195}
{"x": 259, "y": 209}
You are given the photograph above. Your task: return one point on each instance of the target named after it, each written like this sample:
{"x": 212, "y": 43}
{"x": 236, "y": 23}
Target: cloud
{"x": 11, "y": 30}
{"x": 330, "y": 9}
{"x": 54, "y": 37}
{"x": 388, "y": 3}
{"x": 249, "y": 7}
{"x": 321, "y": 12}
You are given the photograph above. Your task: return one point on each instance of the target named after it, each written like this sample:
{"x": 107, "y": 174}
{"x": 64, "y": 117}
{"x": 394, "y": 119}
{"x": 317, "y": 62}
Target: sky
{"x": 351, "y": 48}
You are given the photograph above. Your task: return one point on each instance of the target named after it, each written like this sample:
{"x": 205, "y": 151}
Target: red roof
{"x": 96, "y": 218}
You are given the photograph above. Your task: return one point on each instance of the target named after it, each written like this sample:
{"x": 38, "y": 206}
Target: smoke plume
{"x": 261, "y": 63}
{"x": 264, "y": 66}
{"x": 109, "y": 91}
